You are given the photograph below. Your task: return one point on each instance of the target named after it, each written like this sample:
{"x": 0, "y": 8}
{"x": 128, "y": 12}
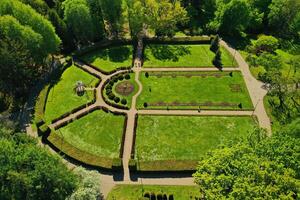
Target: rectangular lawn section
{"x": 111, "y": 58}
{"x": 62, "y": 97}
{"x": 184, "y": 138}
{"x": 98, "y": 133}
{"x": 135, "y": 192}
{"x": 184, "y": 56}
{"x": 189, "y": 90}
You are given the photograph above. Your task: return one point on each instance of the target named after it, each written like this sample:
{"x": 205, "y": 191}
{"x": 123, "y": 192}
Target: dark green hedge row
{"x": 59, "y": 144}
{"x": 102, "y": 44}
{"x": 167, "y": 165}
{"x": 180, "y": 40}
{"x": 123, "y": 137}
{"x": 117, "y": 164}
{"x": 134, "y": 136}
{"x": 40, "y": 106}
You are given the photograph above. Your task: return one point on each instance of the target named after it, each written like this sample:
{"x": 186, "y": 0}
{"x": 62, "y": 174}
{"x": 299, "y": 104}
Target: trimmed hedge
{"x": 97, "y": 161}
{"x": 132, "y": 165}
{"x": 117, "y": 164}
{"x": 40, "y": 106}
{"x": 180, "y": 40}
{"x": 123, "y": 137}
{"x": 43, "y": 130}
{"x": 167, "y": 165}
{"x": 103, "y": 44}
{"x": 134, "y": 136}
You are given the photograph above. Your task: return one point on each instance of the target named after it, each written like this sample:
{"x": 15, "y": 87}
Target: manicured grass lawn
{"x": 184, "y": 56}
{"x": 129, "y": 97}
{"x": 62, "y": 98}
{"x": 186, "y": 137}
{"x": 134, "y": 192}
{"x": 110, "y": 58}
{"x": 98, "y": 133}
{"x": 193, "y": 91}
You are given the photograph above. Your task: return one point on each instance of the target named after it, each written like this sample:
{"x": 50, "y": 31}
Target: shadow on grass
{"x": 168, "y": 52}
{"x": 114, "y": 54}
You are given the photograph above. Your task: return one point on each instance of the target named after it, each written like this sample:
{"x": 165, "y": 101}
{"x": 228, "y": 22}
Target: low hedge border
{"x": 167, "y": 165}
{"x": 134, "y": 136}
{"x": 180, "y": 40}
{"x": 202, "y": 109}
{"x": 123, "y": 137}
{"x": 69, "y": 150}
{"x": 98, "y": 69}
{"x": 103, "y": 44}
{"x": 40, "y": 106}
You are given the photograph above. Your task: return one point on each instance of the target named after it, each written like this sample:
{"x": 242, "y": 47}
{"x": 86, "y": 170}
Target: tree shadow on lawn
{"x": 168, "y": 52}
{"x": 114, "y": 54}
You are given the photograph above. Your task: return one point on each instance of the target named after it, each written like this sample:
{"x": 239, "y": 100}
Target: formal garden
{"x": 86, "y": 110}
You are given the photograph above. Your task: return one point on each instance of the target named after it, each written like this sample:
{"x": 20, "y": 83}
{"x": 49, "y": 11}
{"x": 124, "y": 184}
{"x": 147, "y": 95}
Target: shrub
{"x": 124, "y": 101}
{"x": 215, "y": 46}
{"x": 111, "y": 96}
{"x": 108, "y": 91}
{"x": 127, "y": 76}
{"x": 108, "y": 87}
{"x": 265, "y": 44}
{"x": 44, "y": 129}
{"x": 111, "y": 83}
{"x": 117, "y": 164}
{"x": 132, "y": 165}
{"x": 146, "y": 74}
{"x": 121, "y": 77}
{"x": 217, "y": 59}
{"x": 117, "y": 99}
{"x": 115, "y": 79}
{"x": 145, "y": 105}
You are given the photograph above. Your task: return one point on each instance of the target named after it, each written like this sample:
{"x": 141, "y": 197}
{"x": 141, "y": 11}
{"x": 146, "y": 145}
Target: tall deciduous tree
{"x": 264, "y": 167}
{"x": 161, "y": 16}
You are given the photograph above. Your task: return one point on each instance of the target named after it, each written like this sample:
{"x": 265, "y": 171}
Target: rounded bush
{"x": 108, "y": 92}
{"x": 145, "y": 105}
{"x": 121, "y": 77}
{"x": 108, "y": 87}
{"x": 124, "y": 101}
{"x": 117, "y": 99}
{"x": 127, "y": 76}
{"x": 111, "y": 96}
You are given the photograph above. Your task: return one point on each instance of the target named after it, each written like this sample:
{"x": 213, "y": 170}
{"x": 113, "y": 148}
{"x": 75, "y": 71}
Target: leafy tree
{"x": 257, "y": 168}
{"x": 89, "y": 187}
{"x": 282, "y": 15}
{"x": 161, "y": 16}
{"x": 215, "y": 46}
{"x": 30, "y": 172}
{"x": 113, "y": 14}
{"x": 231, "y": 17}
{"x": 29, "y": 17}
{"x": 217, "y": 59}
{"x": 79, "y": 20}
{"x": 265, "y": 44}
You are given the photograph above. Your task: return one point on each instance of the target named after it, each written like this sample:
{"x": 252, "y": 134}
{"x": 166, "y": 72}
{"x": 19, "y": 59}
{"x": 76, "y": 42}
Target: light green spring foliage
{"x": 78, "y": 18}
{"x": 159, "y": 15}
{"x": 89, "y": 187}
{"x": 30, "y": 19}
{"x": 263, "y": 168}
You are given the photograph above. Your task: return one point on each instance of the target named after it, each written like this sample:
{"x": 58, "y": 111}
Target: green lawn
{"x": 134, "y": 192}
{"x": 98, "y": 133}
{"x": 62, "y": 98}
{"x": 186, "y": 137}
{"x": 184, "y": 56}
{"x": 110, "y": 59}
{"x": 192, "y": 92}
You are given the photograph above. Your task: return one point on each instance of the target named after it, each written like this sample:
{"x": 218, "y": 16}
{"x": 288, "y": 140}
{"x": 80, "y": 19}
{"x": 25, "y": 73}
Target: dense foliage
{"x": 29, "y": 172}
{"x": 260, "y": 167}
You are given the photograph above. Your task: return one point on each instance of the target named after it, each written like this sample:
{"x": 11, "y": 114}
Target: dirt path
{"x": 255, "y": 88}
